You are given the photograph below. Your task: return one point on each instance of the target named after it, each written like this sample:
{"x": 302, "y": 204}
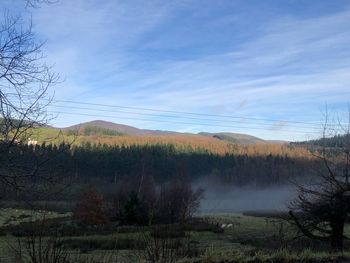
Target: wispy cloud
{"x": 230, "y": 57}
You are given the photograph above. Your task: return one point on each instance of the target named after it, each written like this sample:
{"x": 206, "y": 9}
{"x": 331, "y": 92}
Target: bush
{"x": 174, "y": 202}
{"x": 165, "y": 244}
{"x": 91, "y": 210}
{"x": 136, "y": 212}
{"x": 177, "y": 202}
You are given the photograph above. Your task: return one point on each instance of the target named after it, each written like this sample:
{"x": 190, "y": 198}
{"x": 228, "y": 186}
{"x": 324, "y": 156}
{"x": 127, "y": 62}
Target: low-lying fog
{"x": 223, "y": 199}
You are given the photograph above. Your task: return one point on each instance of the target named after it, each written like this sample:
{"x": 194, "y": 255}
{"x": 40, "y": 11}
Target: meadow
{"x": 247, "y": 237}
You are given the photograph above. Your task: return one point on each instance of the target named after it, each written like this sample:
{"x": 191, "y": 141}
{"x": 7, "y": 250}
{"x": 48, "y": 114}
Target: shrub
{"x": 177, "y": 202}
{"x": 91, "y": 209}
{"x": 136, "y": 212}
{"x": 162, "y": 246}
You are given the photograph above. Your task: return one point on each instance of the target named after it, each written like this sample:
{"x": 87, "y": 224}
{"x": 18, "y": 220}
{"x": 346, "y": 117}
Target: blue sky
{"x": 274, "y": 60}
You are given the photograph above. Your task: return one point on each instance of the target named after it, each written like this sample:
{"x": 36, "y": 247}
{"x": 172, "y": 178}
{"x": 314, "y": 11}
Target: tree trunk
{"x": 337, "y": 235}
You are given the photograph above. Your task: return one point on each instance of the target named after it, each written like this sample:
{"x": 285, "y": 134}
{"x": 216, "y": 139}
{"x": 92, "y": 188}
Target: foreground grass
{"x": 10, "y": 216}
{"x": 286, "y": 256}
{"x": 247, "y": 239}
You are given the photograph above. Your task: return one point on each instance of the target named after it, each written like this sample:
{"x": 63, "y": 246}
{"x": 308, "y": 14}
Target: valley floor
{"x": 253, "y": 237}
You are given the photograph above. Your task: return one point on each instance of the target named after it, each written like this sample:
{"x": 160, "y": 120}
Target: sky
{"x": 266, "y": 68}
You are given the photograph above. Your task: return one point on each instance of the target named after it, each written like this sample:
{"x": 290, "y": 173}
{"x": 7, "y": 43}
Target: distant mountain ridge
{"x": 121, "y": 129}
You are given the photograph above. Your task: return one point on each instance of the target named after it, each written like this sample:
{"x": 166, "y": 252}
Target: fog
{"x": 233, "y": 199}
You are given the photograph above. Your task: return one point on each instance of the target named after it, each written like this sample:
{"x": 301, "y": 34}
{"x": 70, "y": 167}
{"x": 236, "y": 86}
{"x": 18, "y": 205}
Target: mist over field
{"x": 235, "y": 199}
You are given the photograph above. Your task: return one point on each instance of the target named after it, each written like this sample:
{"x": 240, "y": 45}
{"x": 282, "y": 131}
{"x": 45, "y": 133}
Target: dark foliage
{"x": 324, "y": 203}
{"x": 174, "y": 202}
{"x": 91, "y": 209}
{"x": 337, "y": 141}
{"x": 111, "y": 165}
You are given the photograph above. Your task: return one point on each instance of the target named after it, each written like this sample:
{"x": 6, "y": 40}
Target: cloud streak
{"x": 280, "y": 63}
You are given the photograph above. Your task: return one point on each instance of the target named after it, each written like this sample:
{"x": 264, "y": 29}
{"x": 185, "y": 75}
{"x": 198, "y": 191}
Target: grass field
{"x": 243, "y": 239}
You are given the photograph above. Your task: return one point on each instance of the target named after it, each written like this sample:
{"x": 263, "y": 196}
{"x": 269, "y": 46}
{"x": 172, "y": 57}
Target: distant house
{"x": 32, "y": 142}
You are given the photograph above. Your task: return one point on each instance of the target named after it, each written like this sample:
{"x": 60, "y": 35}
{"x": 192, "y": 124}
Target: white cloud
{"x": 111, "y": 52}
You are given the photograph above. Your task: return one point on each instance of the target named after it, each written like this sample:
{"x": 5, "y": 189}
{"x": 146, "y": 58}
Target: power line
{"x": 183, "y": 112}
{"x": 176, "y": 122}
{"x": 311, "y": 124}
{"x": 177, "y": 117}
{"x": 316, "y": 124}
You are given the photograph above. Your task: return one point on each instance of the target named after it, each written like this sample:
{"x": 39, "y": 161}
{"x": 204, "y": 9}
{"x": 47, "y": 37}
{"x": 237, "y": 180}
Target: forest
{"x": 115, "y": 164}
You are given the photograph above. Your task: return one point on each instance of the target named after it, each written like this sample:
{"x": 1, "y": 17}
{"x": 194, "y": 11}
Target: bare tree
{"x": 36, "y": 247}
{"x": 178, "y": 201}
{"x": 322, "y": 207}
{"x": 24, "y": 80}
{"x": 24, "y": 97}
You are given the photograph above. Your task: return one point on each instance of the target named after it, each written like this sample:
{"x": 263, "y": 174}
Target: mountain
{"x": 120, "y": 128}
{"x": 101, "y": 127}
{"x": 236, "y": 138}
{"x": 123, "y": 129}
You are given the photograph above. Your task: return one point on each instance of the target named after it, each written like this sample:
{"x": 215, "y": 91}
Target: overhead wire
{"x": 184, "y": 112}
{"x": 177, "y": 122}
{"x": 181, "y": 117}
{"x": 274, "y": 125}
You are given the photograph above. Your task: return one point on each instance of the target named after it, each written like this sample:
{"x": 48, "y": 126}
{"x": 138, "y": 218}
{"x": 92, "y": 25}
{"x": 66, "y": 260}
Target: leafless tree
{"x": 24, "y": 80}
{"x": 323, "y": 206}
{"x": 178, "y": 201}
{"x": 37, "y": 248}
{"x": 24, "y": 97}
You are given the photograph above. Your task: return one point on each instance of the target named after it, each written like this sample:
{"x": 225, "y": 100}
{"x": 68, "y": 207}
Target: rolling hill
{"x": 107, "y": 133}
{"x": 104, "y": 132}
{"x": 120, "y": 128}
{"x": 107, "y": 128}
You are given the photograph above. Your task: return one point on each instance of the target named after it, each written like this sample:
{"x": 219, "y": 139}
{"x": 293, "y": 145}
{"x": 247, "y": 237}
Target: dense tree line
{"x": 114, "y": 164}
{"x": 337, "y": 141}
{"x": 164, "y": 162}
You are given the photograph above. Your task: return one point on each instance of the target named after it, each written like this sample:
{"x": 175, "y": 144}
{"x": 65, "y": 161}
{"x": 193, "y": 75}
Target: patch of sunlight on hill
{"x": 183, "y": 142}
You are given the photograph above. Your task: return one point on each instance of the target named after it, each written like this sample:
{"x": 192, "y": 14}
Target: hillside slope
{"x": 236, "y": 138}
{"x": 121, "y": 128}
{"x": 113, "y": 134}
